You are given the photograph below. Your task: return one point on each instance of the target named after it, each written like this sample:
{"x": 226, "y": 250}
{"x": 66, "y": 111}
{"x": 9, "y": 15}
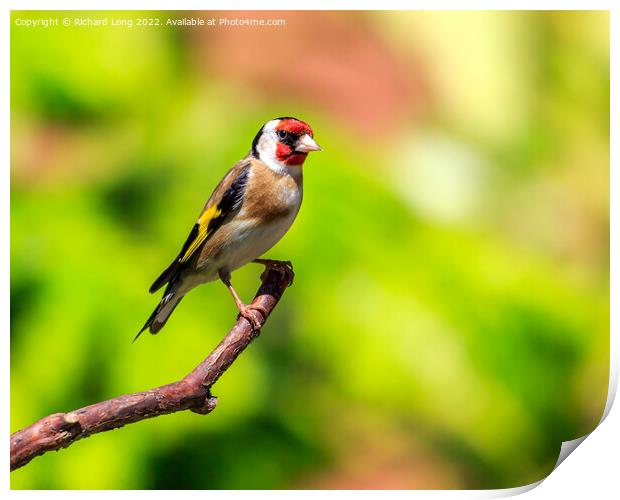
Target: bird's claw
{"x": 253, "y": 315}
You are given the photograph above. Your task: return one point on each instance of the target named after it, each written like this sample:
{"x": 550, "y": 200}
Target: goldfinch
{"x": 249, "y": 211}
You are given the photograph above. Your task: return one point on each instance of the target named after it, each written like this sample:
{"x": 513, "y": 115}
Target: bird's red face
{"x": 284, "y": 142}
{"x": 289, "y": 132}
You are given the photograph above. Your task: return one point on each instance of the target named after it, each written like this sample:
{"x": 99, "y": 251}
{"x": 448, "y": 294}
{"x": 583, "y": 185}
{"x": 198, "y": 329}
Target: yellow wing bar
{"x": 203, "y": 231}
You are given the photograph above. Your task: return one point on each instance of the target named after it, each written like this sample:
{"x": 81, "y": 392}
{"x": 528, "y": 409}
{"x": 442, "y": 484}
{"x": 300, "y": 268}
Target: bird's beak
{"x": 305, "y": 144}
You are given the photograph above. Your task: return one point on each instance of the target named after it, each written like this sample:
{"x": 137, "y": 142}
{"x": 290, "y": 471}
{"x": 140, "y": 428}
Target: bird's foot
{"x": 284, "y": 267}
{"x": 254, "y": 314}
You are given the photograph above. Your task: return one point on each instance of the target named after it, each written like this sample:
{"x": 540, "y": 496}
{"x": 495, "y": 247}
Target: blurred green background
{"x": 448, "y": 325}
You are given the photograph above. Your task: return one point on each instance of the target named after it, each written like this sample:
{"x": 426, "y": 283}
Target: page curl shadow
{"x": 567, "y": 447}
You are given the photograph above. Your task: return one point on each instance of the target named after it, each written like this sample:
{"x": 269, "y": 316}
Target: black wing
{"x": 209, "y": 222}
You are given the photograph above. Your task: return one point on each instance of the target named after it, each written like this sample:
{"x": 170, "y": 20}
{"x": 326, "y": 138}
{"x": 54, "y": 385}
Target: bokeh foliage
{"x": 448, "y": 325}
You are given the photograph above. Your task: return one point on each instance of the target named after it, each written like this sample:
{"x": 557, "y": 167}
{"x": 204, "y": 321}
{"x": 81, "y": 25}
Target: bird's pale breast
{"x": 270, "y": 205}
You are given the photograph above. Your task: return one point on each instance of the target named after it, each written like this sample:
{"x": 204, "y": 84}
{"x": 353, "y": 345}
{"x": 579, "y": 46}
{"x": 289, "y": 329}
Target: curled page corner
{"x": 565, "y": 450}
{"x": 567, "y": 447}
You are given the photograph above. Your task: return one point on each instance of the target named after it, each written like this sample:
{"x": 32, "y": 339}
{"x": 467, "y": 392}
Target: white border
{"x": 591, "y": 471}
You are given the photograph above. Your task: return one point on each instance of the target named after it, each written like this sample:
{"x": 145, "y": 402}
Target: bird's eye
{"x": 282, "y": 134}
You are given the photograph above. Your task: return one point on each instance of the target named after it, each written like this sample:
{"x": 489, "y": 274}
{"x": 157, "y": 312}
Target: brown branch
{"x": 190, "y": 393}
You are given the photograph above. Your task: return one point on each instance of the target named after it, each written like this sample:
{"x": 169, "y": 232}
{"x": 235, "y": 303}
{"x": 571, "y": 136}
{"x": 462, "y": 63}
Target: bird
{"x": 249, "y": 211}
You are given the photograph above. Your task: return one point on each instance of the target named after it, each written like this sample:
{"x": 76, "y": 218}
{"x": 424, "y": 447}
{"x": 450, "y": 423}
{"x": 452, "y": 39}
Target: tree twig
{"x": 190, "y": 393}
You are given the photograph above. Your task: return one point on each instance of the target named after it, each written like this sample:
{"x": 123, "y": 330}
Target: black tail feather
{"x": 151, "y": 324}
{"x": 148, "y": 322}
{"x": 166, "y": 276}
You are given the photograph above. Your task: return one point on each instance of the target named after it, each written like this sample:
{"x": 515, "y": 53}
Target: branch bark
{"x": 190, "y": 393}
